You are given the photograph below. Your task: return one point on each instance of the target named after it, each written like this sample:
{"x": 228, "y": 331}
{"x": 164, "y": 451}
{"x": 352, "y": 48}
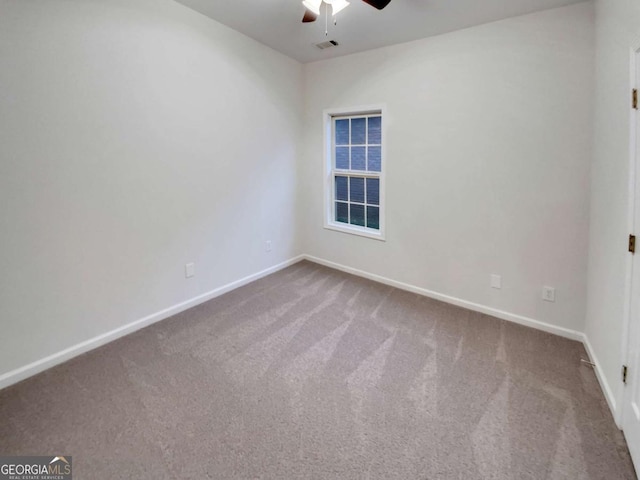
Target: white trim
{"x": 328, "y": 170}
{"x": 511, "y": 317}
{"x": 602, "y": 379}
{"x": 354, "y": 230}
{"x": 38, "y": 366}
{"x": 625, "y": 351}
{"x": 34, "y": 368}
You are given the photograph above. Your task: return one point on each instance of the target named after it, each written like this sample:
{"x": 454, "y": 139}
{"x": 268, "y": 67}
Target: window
{"x": 355, "y": 165}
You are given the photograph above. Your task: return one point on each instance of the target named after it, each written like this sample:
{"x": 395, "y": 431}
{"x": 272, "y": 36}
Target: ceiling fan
{"x": 313, "y": 7}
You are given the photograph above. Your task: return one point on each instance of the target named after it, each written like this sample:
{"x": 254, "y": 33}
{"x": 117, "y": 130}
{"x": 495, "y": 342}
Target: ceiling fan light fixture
{"x": 338, "y": 5}
{"x": 312, "y": 5}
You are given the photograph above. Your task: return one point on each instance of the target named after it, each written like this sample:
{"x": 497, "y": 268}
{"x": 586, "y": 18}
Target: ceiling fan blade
{"x": 379, "y": 4}
{"x": 309, "y": 16}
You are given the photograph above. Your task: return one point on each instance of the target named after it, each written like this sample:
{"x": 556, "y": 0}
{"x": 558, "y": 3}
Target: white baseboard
{"x": 511, "y": 317}
{"x": 604, "y": 385}
{"x": 38, "y": 366}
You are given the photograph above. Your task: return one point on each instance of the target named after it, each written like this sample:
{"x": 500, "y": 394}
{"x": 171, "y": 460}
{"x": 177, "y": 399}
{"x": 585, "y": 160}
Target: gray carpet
{"x": 312, "y": 373}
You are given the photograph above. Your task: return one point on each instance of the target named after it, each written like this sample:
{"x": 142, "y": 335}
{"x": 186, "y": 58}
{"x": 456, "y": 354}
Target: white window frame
{"x": 330, "y": 171}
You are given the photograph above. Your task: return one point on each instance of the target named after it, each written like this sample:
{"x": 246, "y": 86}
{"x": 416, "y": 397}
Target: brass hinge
{"x": 624, "y": 374}
{"x": 634, "y": 99}
{"x": 632, "y": 243}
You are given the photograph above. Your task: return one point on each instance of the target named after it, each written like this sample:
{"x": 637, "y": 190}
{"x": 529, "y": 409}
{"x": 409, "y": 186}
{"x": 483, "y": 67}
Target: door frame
{"x": 634, "y": 199}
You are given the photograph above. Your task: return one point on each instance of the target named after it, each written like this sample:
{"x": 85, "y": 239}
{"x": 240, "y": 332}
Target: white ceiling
{"x": 277, "y": 23}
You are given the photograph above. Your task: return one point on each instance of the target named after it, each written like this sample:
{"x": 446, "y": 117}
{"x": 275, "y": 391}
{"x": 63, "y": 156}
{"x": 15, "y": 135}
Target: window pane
{"x": 342, "y": 212}
{"x": 373, "y": 217}
{"x": 358, "y": 158}
{"x": 357, "y": 154}
{"x": 357, "y": 190}
{"x": 342, "y": 188}
{"x": 375, "y": 131}
{"x": 358, "y": 131}
{"x": 357, "y": 215}
{"x": 342, "y": 157}
{"x": 375, "y": 159}
{"x": 373, "y": 191}
{"x": 342, "y": 132}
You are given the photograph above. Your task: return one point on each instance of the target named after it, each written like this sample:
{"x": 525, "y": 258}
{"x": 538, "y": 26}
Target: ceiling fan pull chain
{"x": 326, "y": 20}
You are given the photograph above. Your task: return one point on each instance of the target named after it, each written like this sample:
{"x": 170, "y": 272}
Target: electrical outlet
{"x": 189, "y": 270}
{"x": 548, "y": 294}
{"x": 267, "y": 246}
{"x": 496, "y": 281}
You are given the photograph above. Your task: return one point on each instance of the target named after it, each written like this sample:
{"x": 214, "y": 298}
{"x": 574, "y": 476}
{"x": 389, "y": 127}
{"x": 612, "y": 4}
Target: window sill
{"x": 353, "y": 230}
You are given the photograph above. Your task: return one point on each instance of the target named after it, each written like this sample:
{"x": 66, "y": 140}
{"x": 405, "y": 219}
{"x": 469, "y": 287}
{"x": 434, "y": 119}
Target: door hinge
{"x": 632, "y": 243}
{"x": 634, "y": 99}
{"x": 624, "y": 374}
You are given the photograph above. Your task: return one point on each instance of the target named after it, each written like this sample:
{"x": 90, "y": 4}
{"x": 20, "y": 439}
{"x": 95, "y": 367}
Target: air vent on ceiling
{"x": 329, "y": 44}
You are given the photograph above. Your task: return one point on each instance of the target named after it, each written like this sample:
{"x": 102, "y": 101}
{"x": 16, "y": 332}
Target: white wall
{"x": 618, "y": 32}
{"x": 138, "y": 135}
{"x": 135, "y": 136}
{"x": 488, "y": 152}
